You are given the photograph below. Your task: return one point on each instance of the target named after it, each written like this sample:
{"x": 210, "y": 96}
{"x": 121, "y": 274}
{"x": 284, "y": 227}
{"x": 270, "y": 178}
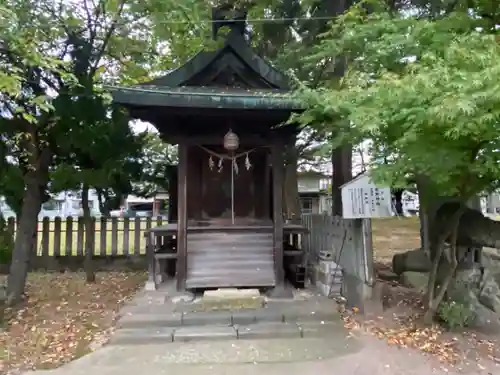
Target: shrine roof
{"x": 204, "y": 97}
{"x": 232, "y": 77}
{"x": 236, "y": 55}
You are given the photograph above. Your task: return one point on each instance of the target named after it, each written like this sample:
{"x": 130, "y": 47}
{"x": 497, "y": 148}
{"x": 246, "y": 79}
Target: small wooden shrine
{"x": 226, "y": 111}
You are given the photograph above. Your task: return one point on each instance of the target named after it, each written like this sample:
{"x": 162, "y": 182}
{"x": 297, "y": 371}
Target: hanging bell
{"x": 231, "y": 141}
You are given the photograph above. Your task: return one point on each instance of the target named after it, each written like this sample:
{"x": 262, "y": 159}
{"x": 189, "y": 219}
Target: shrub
{"x": 455, "y": 315}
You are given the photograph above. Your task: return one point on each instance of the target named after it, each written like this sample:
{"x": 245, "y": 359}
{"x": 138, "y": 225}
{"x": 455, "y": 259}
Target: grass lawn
{"x": 394, "y": 235}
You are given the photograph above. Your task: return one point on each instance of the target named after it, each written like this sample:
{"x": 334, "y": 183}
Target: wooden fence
{"x": 347, "y": 242}
{"x": 113, "y": 236}
{"x": 321, "y": 234}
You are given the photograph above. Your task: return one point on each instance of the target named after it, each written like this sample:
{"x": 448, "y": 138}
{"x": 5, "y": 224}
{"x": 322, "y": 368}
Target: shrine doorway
{"x": 234, "y": 186}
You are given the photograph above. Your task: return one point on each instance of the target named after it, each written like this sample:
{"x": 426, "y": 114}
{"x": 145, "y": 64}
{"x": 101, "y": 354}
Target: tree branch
{"x": 107, "y": 37}
{"x": 92, "y": 28}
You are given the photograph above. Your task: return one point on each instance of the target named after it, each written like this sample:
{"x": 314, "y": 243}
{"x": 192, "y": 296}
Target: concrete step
{"x": 141, "y": 336}
{"x": 222, "y": 318}
{"x": 291, "y": 314}
{"x": 151, "y": 320}
{"x": 263, "y": 330}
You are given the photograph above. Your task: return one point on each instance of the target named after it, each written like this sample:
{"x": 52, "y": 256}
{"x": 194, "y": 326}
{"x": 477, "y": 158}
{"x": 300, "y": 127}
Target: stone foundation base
{"x": 360, "y": 295}
{"x": 231, "y": 298}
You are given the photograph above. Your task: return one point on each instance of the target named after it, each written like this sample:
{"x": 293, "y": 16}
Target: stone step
{"x": 149, "y": 320}
{"x": 226, "y": 318}
{"x": 268, "y": 331}
{"x": 141, "y": 336}
{"x": 265, "y": 330}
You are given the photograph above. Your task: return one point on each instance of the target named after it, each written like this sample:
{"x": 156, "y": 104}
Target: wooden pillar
{"x": 267, "y": 188}
{"x": 172, "y": 194}
{"x": 182, "y": 216}
{"x": 278, "y": 179}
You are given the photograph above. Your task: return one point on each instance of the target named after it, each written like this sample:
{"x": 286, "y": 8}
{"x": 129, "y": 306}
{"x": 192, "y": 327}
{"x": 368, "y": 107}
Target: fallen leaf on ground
{"x": 408, "y": 335}
{"x": 63, "y": 317}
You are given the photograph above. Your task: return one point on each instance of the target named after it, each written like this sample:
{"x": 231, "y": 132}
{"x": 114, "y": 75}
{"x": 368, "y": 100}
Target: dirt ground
{"x": 63, "y": 318}
{"x": 400, "y": 322}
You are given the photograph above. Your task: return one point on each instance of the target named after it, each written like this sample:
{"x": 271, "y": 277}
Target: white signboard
{"x": 362, "y": 199}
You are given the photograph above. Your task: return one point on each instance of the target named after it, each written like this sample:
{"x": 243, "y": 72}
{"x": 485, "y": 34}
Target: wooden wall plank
{"x": 57, "y": 236}
{"x": 80, "y": 238}
{"x": 137, "y": 236}
{"x": 103, "y": 236}
{"x": 126, "y": 234}
{"x": 69, "y": 237}
{"x": 182, "y": 217}
{"x": 46, "y": 253}
{"x": 114, "y": 236}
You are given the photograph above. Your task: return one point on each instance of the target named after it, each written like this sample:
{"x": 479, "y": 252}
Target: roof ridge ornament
{"x": 227, "y": 15}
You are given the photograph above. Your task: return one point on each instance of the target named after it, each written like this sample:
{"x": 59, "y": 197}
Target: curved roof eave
{"x": 200, "y": 61}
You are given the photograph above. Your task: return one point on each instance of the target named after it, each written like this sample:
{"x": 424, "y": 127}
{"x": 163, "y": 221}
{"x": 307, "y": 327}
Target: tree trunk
{"x": 342, "y": 173}
{"x": 490, "y": 204}
{"x": 25, "y": 237}
{"x": 438, "y": 286}
{"x": 103, "y": 208}
{"x": 474, "y": 232}
{"x": 89, "y": 236}
{"x": 362, "y": 158}
{"x": 398, "y": 201}
{"x": 426, "y": 211}
{"x": 342, "y": 156}
{"x": 291, "y": 188}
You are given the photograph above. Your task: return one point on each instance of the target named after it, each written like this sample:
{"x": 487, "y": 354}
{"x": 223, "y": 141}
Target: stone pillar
{"x": 150, "y": 256}
{"x": 359, "y": 286}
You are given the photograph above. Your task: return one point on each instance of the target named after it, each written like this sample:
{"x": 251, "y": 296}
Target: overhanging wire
{"x": 249, "y": 20}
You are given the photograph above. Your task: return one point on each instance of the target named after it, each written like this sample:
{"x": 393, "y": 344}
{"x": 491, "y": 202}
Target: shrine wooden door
{"x": 217, "y": 195}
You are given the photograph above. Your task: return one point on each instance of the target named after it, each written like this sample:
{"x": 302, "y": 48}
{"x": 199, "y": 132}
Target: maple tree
{"x": 137, "y": 47}
{"x": 425, "y": 93}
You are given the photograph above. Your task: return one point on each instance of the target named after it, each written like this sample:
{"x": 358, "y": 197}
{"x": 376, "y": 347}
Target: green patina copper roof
{"x": 209, "y": 80}
{"x": 204, "y": 97}
{"x": 235, "y": 54}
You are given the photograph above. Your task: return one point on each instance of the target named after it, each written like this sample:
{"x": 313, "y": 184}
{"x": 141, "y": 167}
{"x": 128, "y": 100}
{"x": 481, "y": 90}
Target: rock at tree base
{"x": 413, "y": 260}
{"x": 480, "y": 290}
{"x": 474, "y": 232}
{"x": 387, "y": 275}
{"x": 491, "y": 259}
{"x": 415, "y": 280}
